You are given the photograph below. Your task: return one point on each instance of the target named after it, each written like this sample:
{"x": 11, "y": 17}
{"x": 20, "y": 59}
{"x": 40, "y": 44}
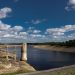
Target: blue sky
{"x": 37, "y": 20}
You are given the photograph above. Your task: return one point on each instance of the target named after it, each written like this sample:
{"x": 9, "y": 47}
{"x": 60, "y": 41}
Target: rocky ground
{"x": 15, "y": 67}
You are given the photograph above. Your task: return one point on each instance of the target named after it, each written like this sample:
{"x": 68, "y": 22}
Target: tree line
{"x": 69, "y": 43}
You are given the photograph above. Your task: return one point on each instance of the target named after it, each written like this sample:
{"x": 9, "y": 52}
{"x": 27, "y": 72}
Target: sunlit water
{"x": 44, "y": 59}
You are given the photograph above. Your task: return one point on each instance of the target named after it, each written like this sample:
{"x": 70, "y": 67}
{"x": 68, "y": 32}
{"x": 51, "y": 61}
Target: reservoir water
{"x": 44, "y": 59}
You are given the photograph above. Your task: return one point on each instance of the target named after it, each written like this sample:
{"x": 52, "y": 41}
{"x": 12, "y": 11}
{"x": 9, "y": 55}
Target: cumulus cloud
{"x": 4, "y": 12}
{"x": 36, "y": 31}
{"x": 69, "y": 27}
{"x": 7, "y": 27}
{"x": 71, "y": 36}
{"x": 9, "y": 35}
{"x": 17, "y": 33}
{"x": 60, "y": 31}
{"x": 33, "y": 30}
{"x": 38, "y": 38}
{"x": 55, "y": 31}
{"x": 36, "y": 21}
{"x": 17, "y": 28}
{"x": 9, "y": 31}
{"x": 30, "y": 29}
{"x": 4, "y": 26}
{"x": 70, "y": 5}
{"x": 23, "y": 33}
{"x": 35, "y": 35}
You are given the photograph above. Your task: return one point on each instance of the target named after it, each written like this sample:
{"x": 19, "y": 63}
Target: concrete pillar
{"x": 24, "y": 52}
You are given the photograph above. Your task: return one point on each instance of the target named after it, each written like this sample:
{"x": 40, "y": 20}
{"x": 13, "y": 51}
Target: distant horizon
{"x": 37, "y": 20}
{"x": 34, "y": 42}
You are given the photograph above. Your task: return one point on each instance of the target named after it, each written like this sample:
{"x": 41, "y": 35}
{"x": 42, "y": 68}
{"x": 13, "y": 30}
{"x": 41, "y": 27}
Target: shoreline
{"x": 65, "y": 70}
{"x": 55, "y": 48}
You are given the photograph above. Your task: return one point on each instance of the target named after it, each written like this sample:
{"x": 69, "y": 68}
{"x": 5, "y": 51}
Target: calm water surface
{"x": 44, "y": 59}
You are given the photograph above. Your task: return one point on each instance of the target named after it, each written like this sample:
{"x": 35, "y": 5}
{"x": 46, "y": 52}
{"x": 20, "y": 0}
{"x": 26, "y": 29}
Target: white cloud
{"x": 35, "y": 22}
{"x": 23, "y": 33}
{"x": 69, "y": 27}
{"x": 55, "y": 31}
{"x": 4, "y": 12}
{"x": 9, "y": 35}
{"x": 36, "y": 31}
{"x": 17, "y": 28}
{"x": 35, "y": 35}
{"x": 38, "y": 37}
{"x": 33, "y": 30}
{"x": 17, "y": 34}
{"x": 4, "y": 26}
{"x": 30, "y": 29}
{"x": 61, "y": 30}
{"x": 71, "y": 36}
{"x": 9, "y": 31}
{"x": 8, "y": 28}
{"x": 70, "y": 5}
{"x": 58, "y": 33}
{"x": 71, "y": 2}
